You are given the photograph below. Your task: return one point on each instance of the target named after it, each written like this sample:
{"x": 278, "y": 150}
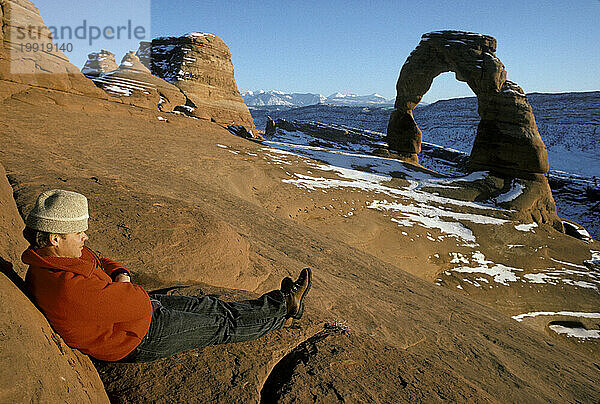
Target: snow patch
{"x": 568, "y": 263}
{"x": 526, "y": 227}
{"x": 458, "y": 258}
{"x": 499, "y": 272}
{"x": 199, "y": 34}
{"x": 412, "y": 205}
{"x": 118, "y": 90}
{"x": 575, "y": 332}
{"x": 431, "y": 217}
{"x": 520, "y": 317}
{"x": 515, "y": 190}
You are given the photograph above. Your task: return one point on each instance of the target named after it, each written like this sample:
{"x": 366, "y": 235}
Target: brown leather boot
{"x": 295, "y": 292}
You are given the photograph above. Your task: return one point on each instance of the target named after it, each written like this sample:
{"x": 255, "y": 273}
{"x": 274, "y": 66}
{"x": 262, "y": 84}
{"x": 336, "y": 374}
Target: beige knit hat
{"x": 58, "y": 211}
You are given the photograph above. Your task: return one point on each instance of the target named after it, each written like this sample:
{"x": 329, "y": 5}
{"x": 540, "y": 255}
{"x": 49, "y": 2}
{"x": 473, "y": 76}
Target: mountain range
{"x": 261, "y": 98}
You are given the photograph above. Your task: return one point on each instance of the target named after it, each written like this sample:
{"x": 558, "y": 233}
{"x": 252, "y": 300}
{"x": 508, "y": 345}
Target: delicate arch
{"x": 507, "y": 140}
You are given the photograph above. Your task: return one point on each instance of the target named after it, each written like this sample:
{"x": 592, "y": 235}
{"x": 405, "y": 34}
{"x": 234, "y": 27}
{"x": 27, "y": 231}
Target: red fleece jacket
{"x": 102, "y": 318}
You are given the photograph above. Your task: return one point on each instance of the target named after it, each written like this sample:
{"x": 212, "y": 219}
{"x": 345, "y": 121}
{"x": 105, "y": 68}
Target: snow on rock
{"x": 515, "y": 190}
{"x": 458, "y": 258}
{"x": 554, "y": 276}
{"x": 500, "y": 273}
{"x": 99, "y": 63}
{"x": 520, "y": 317}
{"x": 200, "y": 66}
{"x": 118, "y": 90}
{"x": 568, "y": 263}
{"x": 199, "y": 34}
{"x": 185, "y": 108}
{"x": 575, "y": 332}
{"x": 408, "y": 203}
{"x": 571, "y": 140}
{"x": 431, "y": 217}
{"x": 549, "y": 276}
{"x": 594, "y": 262}
{"x": 526, "y": 227}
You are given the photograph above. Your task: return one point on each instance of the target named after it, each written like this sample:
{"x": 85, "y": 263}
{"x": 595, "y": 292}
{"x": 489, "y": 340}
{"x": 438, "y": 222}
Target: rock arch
{"x": 507, "y": 141}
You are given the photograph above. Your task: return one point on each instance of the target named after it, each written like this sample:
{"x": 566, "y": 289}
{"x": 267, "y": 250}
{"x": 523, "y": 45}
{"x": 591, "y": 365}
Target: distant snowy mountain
{"x": 261, "y": 98}
{"x": 357, "y": 100}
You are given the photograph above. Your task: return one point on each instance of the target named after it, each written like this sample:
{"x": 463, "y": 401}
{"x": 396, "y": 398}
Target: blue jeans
{"x": 181, "y": 323}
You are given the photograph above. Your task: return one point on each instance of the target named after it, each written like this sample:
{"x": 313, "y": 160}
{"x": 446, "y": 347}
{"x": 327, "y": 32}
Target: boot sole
{"x": 301, "y": 306}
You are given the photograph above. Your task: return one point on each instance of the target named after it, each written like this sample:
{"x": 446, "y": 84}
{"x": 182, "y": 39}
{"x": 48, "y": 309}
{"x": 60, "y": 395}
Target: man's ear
{"x": 54, "y": 239}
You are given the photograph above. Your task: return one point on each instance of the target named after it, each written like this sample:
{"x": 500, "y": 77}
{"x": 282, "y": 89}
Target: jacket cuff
{"x": 118, "y": 272}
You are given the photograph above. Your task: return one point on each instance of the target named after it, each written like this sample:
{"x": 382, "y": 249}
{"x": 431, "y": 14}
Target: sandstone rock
{"x": 326, "y": 132}
{"x": 507, "y": 144}
{"x": 133, "y": 83}
{"x": 241, "y": 131}
{"x": 409, "y": 144}
{"x": 318, "y": 370}
{"x": 145, "y": 197}
{"x": 12, "y": 243}
{"x": 131, "y": 62}
{"x": 507, "y": 139}
{"x": 200, "y": 65}
{"x": 36, "y": 365}
{"x": 270, "y": 128}
{"x": 331, "y": 362}
{"x": 535, "y": 203}
{"x": 21, "y": 69}
{"x": 99, "y": 63}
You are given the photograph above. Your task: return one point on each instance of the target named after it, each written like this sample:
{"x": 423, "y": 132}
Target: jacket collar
{"x": 83, "y": 266}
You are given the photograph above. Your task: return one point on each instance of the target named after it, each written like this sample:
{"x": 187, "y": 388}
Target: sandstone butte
{"x": 199, "y": 64}
{"x": 191, "y": 74}
{"x": 132, "y": 82}
{"x": 190, "y": 207}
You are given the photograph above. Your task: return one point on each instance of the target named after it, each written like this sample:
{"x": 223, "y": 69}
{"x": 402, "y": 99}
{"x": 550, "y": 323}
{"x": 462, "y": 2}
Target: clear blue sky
{"x": 360, "y": 46}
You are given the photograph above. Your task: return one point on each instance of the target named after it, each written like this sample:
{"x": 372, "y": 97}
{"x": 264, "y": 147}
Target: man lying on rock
{"x": 91, "y": 302}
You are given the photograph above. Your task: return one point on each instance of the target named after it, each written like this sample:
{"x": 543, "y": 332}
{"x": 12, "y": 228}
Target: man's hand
{"x": 122, "y": 278}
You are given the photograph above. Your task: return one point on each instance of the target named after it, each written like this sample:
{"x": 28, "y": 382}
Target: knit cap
{"x": 59, "y": 211}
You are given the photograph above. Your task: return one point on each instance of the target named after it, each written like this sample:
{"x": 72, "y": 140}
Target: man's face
{"x": 68, "y": 245}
